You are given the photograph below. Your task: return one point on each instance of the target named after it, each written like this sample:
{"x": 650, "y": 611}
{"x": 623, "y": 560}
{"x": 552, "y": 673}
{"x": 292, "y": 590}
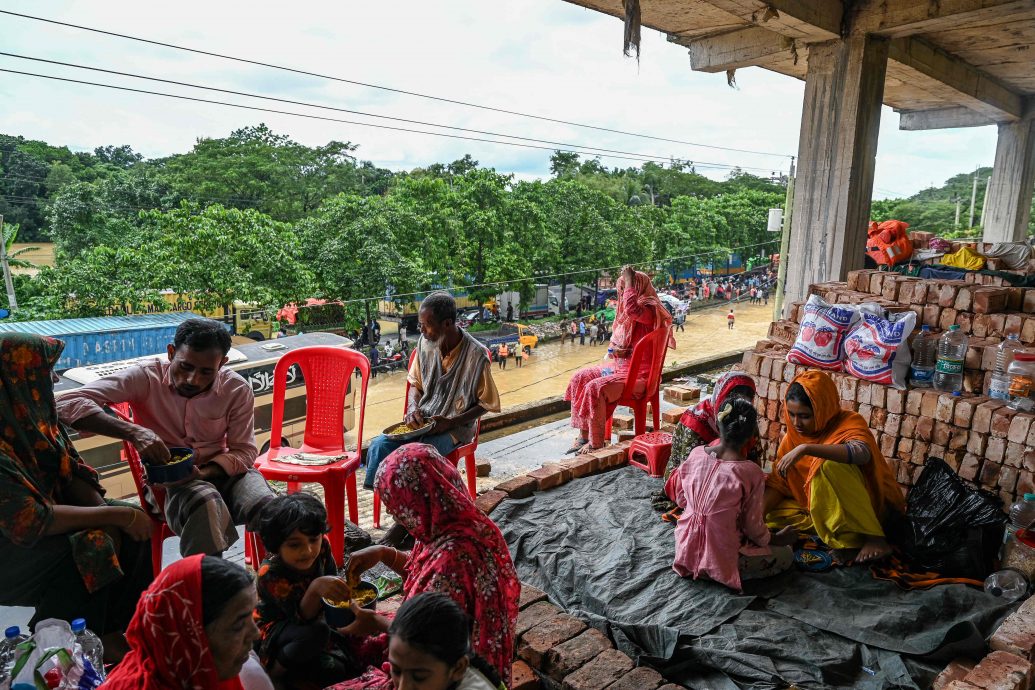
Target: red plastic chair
{"x": 327, "y": 372}
{"x": 656, "y": 449}
{"x": 653, "y": 348}
{"x": 465, "y": 452}
{"x": 160, "y": 530}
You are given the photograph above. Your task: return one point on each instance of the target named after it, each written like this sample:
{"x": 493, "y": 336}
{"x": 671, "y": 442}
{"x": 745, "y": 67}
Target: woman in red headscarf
{"x": 594, "y": 391}
{"x": 458, "y": 551}
{"x": 192, "y": 629}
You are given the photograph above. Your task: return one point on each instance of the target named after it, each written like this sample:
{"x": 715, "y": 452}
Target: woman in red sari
{"x": 594, "y": 391}
{"x": 459, "y": 552}
{"x": 192, "y": 629}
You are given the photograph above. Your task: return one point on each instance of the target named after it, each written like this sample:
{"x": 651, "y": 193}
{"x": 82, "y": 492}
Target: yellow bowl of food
{"x": 338, "y": 614}
{"x": 404, "y": 432}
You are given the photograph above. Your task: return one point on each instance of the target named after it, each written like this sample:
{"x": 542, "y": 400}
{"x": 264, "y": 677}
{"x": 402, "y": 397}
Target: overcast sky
{"x": 546, "y": 57}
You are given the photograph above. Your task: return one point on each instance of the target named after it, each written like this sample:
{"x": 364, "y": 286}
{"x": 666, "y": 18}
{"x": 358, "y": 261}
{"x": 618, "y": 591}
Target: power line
{"x": 328, "y": 119}
{"x": 362, "y": 113}
{"x": 386, "y": 88}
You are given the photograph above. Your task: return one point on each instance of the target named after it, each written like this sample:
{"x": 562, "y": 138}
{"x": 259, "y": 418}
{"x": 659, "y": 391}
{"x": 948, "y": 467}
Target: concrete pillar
{"x": 1013, "y": 181}
{"x": 840, "y": 121}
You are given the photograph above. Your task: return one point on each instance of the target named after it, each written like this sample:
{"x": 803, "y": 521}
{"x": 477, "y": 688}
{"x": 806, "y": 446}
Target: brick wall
{"x": 980, "y": 438}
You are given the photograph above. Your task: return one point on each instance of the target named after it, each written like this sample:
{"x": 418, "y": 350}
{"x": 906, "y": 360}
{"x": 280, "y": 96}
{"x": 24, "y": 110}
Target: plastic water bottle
{"x": 609, "y": 362}
{"x": 93, "y": 650}
{"x": 1022, "y": 516}
{"x": 1007, "y": 584}
{"x": 925, "y": 357}
{"x": 999, "y": 383}
{"x": 13, "y": 637}
{"x": 952, "y": 350}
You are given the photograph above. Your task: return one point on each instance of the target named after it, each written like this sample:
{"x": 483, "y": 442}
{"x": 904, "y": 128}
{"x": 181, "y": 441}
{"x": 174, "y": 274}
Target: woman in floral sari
{"x": 594, "y": 391}
{"x": 458, "y": 552}
{"x": 67, "y": 552}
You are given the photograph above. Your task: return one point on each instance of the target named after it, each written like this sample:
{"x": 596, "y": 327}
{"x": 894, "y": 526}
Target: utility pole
{"x": 973, "y": 198}
{"x": 785, "y": 244}
{"x": 956, "y": 198}
{"x": 984, "y": 202}
{"x": 12, "y": 300}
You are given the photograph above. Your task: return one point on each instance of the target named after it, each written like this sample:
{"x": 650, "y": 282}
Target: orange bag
{"x": 888, "y": 243}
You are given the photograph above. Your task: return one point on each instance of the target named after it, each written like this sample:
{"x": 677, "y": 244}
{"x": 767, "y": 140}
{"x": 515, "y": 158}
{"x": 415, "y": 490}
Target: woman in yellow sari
{"x": 831, "y": 479}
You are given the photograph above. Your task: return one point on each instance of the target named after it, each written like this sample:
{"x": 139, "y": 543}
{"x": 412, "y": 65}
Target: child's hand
{"x": 788, "y": 536}
{"x": 367, "y": 623}
{"x": 332, "y": 588}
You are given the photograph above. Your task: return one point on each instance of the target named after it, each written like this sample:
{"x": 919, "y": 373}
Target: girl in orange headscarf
{"x": 831, "y": 479}
{"x": 594, "y": 391}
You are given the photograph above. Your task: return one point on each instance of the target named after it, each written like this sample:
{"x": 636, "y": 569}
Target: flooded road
{"x": 547, "y": 371}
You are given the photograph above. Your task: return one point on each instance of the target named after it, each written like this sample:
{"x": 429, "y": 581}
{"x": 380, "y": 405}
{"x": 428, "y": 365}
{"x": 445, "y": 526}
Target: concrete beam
{"x": 837, "y": 148}
{"x": 801, "y": 19}
{"x": 1013, "y": 183}
{"x": 942, "y": 118}
{"x": 980, "y": 92}
{"x": 908, "y": 17}
{"x": 751, "y": 46}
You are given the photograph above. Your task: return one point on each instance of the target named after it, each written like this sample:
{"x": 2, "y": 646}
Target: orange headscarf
{"x": 834, "y": 426}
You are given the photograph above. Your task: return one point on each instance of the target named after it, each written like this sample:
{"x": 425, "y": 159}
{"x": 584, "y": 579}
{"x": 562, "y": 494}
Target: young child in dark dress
{"x": 296, "y": 575}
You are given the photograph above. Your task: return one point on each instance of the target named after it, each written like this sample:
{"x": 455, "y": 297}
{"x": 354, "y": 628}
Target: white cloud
{"x": 539, "y": 56}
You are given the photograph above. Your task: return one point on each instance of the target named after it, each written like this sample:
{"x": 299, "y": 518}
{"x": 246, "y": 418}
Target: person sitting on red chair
{"x": 191, "y": 401}
{"x": 450, "y": 384}
{"x": 594, "y": 391}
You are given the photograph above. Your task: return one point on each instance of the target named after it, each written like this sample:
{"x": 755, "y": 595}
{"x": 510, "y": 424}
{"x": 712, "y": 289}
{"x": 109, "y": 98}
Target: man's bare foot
{"x": 875, "y": 549}
{"x": 577, "y": 446}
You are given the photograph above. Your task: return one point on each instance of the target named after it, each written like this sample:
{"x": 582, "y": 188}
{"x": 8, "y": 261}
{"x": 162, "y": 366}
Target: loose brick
{"x": 673, "y": 415}
{"x": 989, "y": 300}
{"x": 929, "y": 403}
{"x": 878, "y": 395}
{"x": 1001, "y": 671}
{"x": 997, "y": 325}
{"x": 958, "y": 438}
{"x": 530, "y": 595}
{"x": 947, "y": 294}
{"x": 964, "y": 299}
{"x": 990, "y": 473}
{"x": 569, "y": 656}
{"x": 976, "y": 443}
{"x": 888, "y": 444}
{"x": 622, "y": 421}
{"x": 964, "y": 412}
{"x": 892, "y": 424}
{"x": 483, "y": 467}
{"x": 534, "y": 615}
{"x": 947, "y": 319}
{"x": 1028, "y": 302}
{"x": 1014, "y": 455}
{"x": 896, "y": 400}
{"x": 487, "y": 501}
{"x": 1025, "y": 483}
{"x": 945, "y": 408}
{"x": 932, "y": 315}
{"x": 982, "y": 421}
{"x": 1007, "y": 479}
{"x": 519, "y": 487}
{"x": 924, "y": 429}
{"x": 1014, "y": 324}
{"x": 908, "y": 427}
{"x": 913, "y": 402}
{"x": 523, "y": 677}
{"x": 996, "y": 449}
{"x": 1001, "y": 420}
{"x": 970, "y": 467}
{"x": 535, "y": 643}
{"x": 1020, "y": 425}
{"x": 611, "y": 457}
{"x": 863, "y": 392}
{"x": 942, "y": 432}
{"x": 604, "y": 669}
{"x": 956, "y": 670}
{"x": 551, "y": 475}
{"x": 640, "y": 678}
{"x": 1028, "y": 331}
{"x": 582, "y": 465}
{"x": 625, "y": 435}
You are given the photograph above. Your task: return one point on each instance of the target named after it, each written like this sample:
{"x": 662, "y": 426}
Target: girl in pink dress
{"x": 722, "y": 535}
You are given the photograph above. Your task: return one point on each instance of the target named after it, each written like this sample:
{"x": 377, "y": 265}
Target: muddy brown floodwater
{"x": 547, "y": 371}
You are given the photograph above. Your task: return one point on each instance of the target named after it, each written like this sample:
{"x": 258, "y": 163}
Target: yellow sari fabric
{"x": 840, "y": 503}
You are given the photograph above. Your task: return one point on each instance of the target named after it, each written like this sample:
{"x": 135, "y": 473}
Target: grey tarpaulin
{"x": 599, "y": 550}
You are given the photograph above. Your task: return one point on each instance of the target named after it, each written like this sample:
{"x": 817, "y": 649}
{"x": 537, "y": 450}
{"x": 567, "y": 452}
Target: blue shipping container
{"x": 106, "y": 338}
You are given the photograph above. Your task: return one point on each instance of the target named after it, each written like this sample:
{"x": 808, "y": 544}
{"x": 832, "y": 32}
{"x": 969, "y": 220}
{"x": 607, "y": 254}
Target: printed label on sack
{"x": 950, "y": 366}
{"x": 821, "y": 336}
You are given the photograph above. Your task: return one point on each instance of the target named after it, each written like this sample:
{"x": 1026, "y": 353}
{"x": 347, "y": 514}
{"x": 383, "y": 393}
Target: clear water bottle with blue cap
{"x": 93, "y": 650}
{"x": 1007, "y": 584}
{"x": 609, "y": 362}
{"x": 13, "y": 637}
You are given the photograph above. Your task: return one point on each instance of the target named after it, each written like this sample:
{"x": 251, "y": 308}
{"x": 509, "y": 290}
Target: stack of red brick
{"x": 981, "y": 438}
{"x": 1007, "y": 667}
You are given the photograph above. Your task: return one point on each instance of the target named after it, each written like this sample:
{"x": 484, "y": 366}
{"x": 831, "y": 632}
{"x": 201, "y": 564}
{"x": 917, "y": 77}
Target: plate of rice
{"x": 404, "y": 432}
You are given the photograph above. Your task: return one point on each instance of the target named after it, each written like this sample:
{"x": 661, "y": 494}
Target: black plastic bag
{"x": 952, "y": 527}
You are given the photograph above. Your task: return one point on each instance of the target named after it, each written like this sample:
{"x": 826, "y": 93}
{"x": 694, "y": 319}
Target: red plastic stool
{"x": 656, "y": 447}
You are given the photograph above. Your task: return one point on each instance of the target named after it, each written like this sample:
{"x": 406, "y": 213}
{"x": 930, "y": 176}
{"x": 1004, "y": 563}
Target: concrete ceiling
{"x": 952, "y": 63}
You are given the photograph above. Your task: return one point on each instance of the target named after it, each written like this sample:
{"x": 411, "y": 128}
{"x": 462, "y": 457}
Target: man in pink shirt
{"x": 188, "y": 401}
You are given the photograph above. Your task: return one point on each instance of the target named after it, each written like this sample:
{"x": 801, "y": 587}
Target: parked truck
{"x": 106, "y": 338}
